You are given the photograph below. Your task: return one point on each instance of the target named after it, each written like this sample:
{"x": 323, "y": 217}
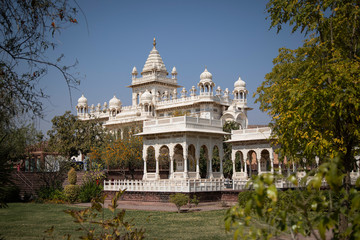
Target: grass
{"x": 30, "y": 220}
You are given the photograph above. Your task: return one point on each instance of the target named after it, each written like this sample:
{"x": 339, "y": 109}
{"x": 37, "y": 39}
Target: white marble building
{"x": 156, "y": 100}
{"x": 157, "y": 95}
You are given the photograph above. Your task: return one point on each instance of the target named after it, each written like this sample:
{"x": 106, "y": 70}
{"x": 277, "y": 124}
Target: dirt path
{"x": 161, "y": 206}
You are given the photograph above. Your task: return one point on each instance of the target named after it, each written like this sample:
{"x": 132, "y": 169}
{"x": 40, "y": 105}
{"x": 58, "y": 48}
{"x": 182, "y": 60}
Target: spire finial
{"x": 154, "y": 43}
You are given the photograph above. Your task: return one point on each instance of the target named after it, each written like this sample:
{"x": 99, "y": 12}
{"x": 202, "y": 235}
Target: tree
{"x": 70, "y": 135}
{"x": 13, "y": 143}
{"x": 228, "y": 166}
{"x": 26, "y": 30}
{"x": 120, "y": 154}
{"x": 179, "y": 199}
{"x": 312, "y": 95}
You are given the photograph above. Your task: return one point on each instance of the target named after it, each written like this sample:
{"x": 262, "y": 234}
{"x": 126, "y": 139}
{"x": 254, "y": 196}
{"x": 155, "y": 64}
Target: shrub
{"x": 179, "y": 199}
{"x": 245, "y": 196}
{"x": 90, "y": 190}
{"x": 72, "y": 192}
{"x": 195, "y": 200}
{"x": 72, "y": 178}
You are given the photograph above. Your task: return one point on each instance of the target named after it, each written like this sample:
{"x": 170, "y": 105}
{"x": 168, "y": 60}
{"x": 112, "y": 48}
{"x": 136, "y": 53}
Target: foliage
{"x": 122, "y": 154}
{"x": 312, "y": 93}
{"x": 49, "y": 194}
{"x": 72, "y": 176}
{"x": 70, "y": 135}
{"x": 13, "y": 142}
{"x": 54, "y": 172}
{"x": 307, "y": 211}
{"x": 195, "y": 200}
{"x": 90, "y": 190}
{"x": 95, "y": 173}
{"x": 179, "y": 199}
{"x": 72, "y": 192}
{"x": 25, "y": 37}
{"x": 228, "y": 166}
{"x": 113, "y": 228}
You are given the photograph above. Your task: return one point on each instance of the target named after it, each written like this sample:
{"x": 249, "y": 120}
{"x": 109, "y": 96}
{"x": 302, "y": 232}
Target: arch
{"x": 241, "y": 95}
{"x": 150, "y": 159}
{"x": 164, "y": 162}
{"x": 239, "y": 161}
{"x": 203, "y": 161}
{"x": 178, "y": 158}
{"x": 265, "y": 164}
{"x": 215, "y": 159}
{"x": 207, "y": 88}
{"x": 191, "y": 158}
{"x": 138, "y": 98}
{"x": 146, "y": 108}
{"x": 251, "y": 163}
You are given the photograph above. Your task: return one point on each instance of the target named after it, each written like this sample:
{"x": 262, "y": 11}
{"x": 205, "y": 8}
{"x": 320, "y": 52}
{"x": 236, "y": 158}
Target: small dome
{"x": 239, "y": 83}
{"x": 146, "y": 97}
{"x": 114, "y": 102}
{"x": 174, "y": 72}
{"x": 82, "y": 101}
{"x": 206, "y": 75}
{"x": 134, "y": 71}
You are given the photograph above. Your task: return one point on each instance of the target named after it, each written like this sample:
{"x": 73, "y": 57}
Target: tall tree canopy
{"x": 70, "y": 135}
{"x": 26, "y": 31}
{"x": 27, "y": 28}
{"x": 312, "y": 95}
{"x": 313, "y": 92}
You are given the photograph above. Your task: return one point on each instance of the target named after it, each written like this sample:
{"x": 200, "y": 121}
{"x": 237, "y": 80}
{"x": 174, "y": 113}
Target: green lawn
{"x": 29, "y": 220}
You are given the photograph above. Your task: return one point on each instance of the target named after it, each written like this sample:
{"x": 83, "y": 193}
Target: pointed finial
{"x": 154, "y": 43}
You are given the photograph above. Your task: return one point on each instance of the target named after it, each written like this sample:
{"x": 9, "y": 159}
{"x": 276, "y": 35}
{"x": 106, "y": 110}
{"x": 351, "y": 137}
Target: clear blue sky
{"x": 231, "y": 37}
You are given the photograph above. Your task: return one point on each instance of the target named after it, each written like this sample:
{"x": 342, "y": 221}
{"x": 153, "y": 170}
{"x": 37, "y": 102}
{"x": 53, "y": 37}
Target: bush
{"x": 72, "y": 178}
{"x": 179, "y": 199}
{"x": 245, "y": 196}
{"x": 90, "y": 190}
{"x": 50, "y": 194}
{"x": 72, "y": 192}
{"x": 195, "y": 200}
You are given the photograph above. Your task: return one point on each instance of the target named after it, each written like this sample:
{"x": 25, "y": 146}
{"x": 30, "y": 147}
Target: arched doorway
{"x": 164, "y": 162}
{"x": 252, "y": 164}
{"x": 215, "y": 160}
{"x": 265, "y": 161}
{"x": 239, "y": 159}
{"x": 203, "y": 161}
{"x": 178, "y": 158}
{"x": 150, "y": 160}
{"x": 191, "y": 158}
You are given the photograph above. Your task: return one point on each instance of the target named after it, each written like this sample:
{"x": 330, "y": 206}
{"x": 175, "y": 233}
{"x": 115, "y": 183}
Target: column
{"x": 221, "y": 155}
{"x": 210, "y": 174}
{"x": 171, "y": 156}
{"x": 259, "y": 167}
{"x": 233, "y": 155}
{"x": 272, "y": 165}
{"x": 145, "y": 167}
{"x": 185, "y": 156}
{"x": 157, "y": 153}
{"x": 197, "y": 156}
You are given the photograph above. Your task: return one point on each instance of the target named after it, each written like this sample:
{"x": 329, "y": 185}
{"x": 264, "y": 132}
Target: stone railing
{"x": 193, "y": 185}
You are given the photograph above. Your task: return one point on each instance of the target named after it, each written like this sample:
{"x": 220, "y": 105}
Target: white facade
{"x": 156, "y": 95}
